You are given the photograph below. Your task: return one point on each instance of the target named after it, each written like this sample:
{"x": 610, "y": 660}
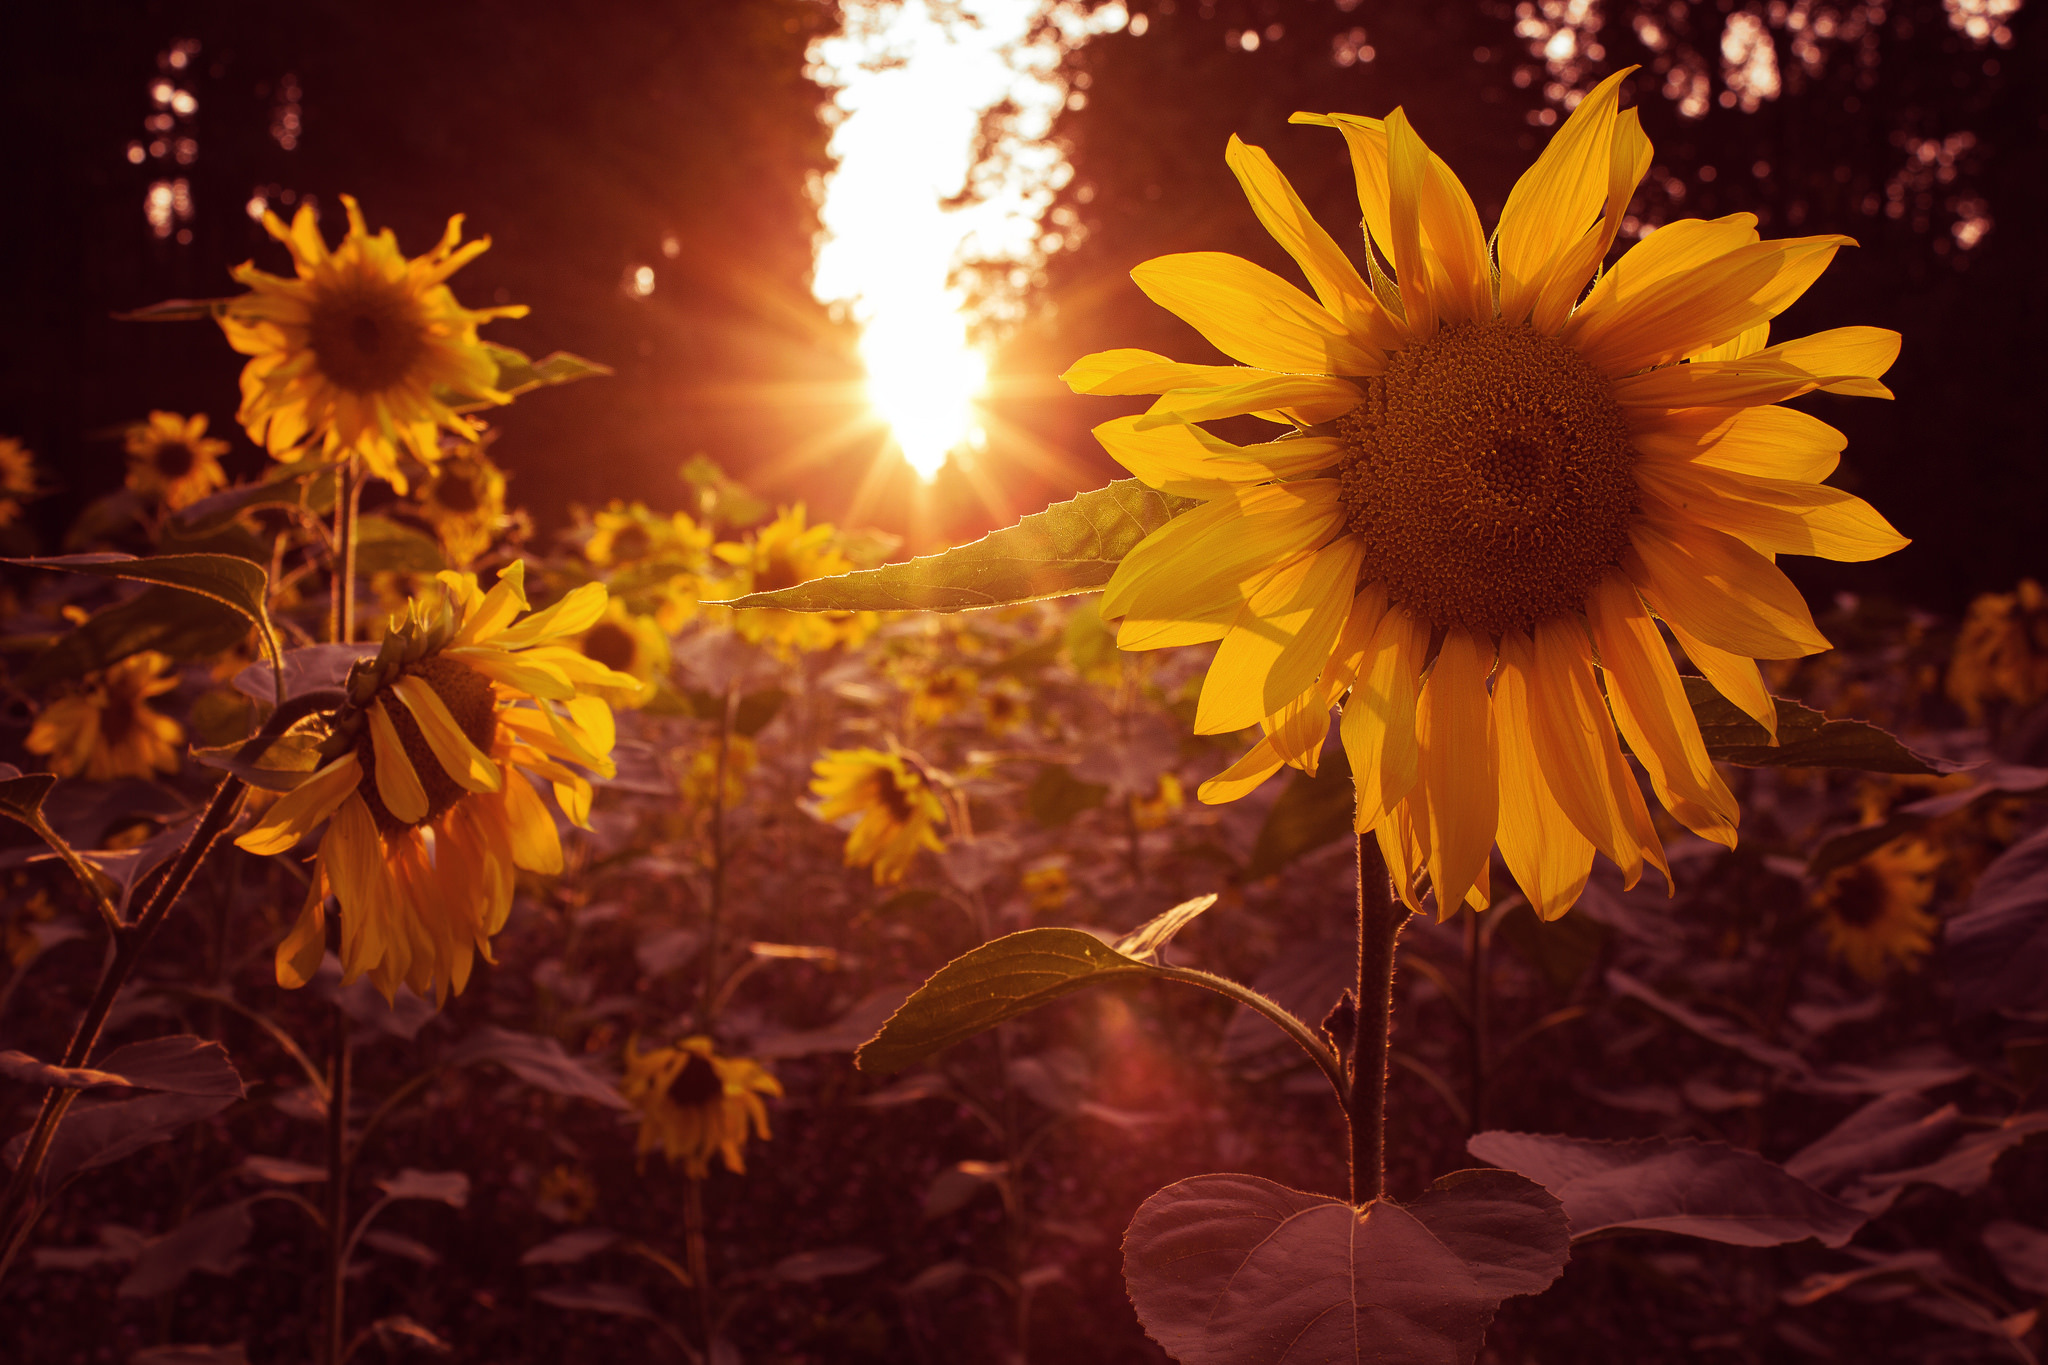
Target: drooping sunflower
{"x": 1875, "y": 909}
{"x": 1496, "y": 487}
{"x": 171, "y": 458}
{"x": 425, "y": 790}
{"x": 782, "y": 554}
{"x": 107, "y": 728}
{"x": 695, "y": 1104}
{"x": 899, "y": 812}
{"x": 465, "y": 503}
{"x": 365, "y": 350}
{"x": 17, "y": 478}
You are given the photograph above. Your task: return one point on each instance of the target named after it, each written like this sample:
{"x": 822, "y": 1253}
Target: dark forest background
{"x": 588, "y": 140}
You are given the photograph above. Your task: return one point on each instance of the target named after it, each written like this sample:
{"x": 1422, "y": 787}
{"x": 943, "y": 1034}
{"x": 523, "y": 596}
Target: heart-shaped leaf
{"x": 1702, "y": 1189}
{"x": 1070, "y": 547}
{"x": 1806, "y": 738}
{"x": 999, "y": 980}
{"x": 1236, "y": 1270}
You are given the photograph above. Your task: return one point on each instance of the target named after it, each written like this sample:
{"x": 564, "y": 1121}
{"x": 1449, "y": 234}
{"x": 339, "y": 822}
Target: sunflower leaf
{"x": 1071, "y": 547}
{"x": 235, "y": 583}
{"x": 999, "y": 980}
{"x": 177, "y": 310}
{"x": 307, "y": 483}
{"x": 1806, "y": 738}
{"x": 520, "y": 373}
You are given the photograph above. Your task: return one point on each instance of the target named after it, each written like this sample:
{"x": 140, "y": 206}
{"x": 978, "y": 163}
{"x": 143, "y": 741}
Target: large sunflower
{"x": 365, "y": 350}
{"x": 428, "y": 810}
{"x": 1497, "y": 485}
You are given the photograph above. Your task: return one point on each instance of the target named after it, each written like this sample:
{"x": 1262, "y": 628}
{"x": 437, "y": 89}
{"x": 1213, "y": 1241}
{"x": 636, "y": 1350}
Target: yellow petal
{"x": 1196, "y": 567}
{"x": 1719, "y": 589}
{"x": 1628, "y": 162}
{"x": 1744, "y": 343}
{"x": 1651, "y": 709}
{"x": 1330, "y": 273}
{"x": 1765, "y": 442}
{"x": 1129, "y": 371}
{"x": 397, "y": 784}
{"x": 514, "y": 672}
{"x": 1846, "y": 360}
{"x": 1407, "y": 172}
{"x": 536, "y": 845}
{"x": 303, "y": 807}
{"x": 1460, "y": 770}
{"x": 505, "y": 600}
{"x": 1401, "y": 849}
{"x": 573, "y": 615}
{"x": 1378, "y": 727}
{"x": 1299, "y": 729}
{"x": 1242, "y": 777}
{"x": 1734, "y": 676}
{"x": 1184, "y": 460}
{"x": 1306, "y": 398}
{"x": 1366, "y": 140}
{"x": 298, "y": 957}
{"x": 1252, "y": 315}
{"x": 469, "y": 766}
{"x": 1282, "y": 639}
{"x": 352, "y": 860}
{"x": 1557, "y": 200}
{"x": 1774, "y": 516}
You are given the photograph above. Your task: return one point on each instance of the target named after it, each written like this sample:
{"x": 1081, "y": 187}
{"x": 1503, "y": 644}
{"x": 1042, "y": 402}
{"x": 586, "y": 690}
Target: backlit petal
{"x": 1719, "y": 589}
{"x": 1774, "y": 516}
{"x": 1765, "y": 442}
{"x": 469, "y": 766}
{"x": 1330, "y": 273}
{"x": 1460, "y": 769}
{"x": 1378, "y": 727}
{"x": 1252, "y": 315}
{"x": 1547, "y": 855}
{"x": 397, "y": 784}
{"x": 1557, "y": 199}
{"x": 304, "y": 806}
{"x": 1281, "y": 640}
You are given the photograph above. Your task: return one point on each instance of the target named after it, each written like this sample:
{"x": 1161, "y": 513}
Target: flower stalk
{"x": 1380, "y": 918}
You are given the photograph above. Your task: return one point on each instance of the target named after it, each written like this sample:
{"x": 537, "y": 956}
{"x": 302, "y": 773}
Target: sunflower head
{"x": 17, "y": 478}
{"x": 464, "y": 502}
{"x": 1875, "y": 910}
{"x": 173, "y": 460}
{"x": 427, "y": 780}
{"x": 898, "y": 811}
{"x": 106, "y": 728}
{"x": 780, "y": 555}
{"x": 363, "y": 350}
{"x": 627, "y": 642}
{"x": 696, "y": 1104}
{"x": 1499, "y": 482}
{"x": 2001, "y": 654}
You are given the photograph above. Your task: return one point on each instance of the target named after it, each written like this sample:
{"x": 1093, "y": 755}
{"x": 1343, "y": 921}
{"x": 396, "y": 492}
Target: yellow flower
{"x": 465, "y": 504}
{"x": 1005, "y": 707}
{"x": 938, "y": 694}
{"x": 1046, "y": 887}
{"x": 172, "y": 458}
{"x": 2001, "y": 655}
{"x": 629, "y": 643}
{"x": 1151, "y": 812}
{"x": 624, "y": 535}
{"x": 567, "y": 1194}
{"x": 1875, "y": 909}
{"x": 783, "y": 554}
{"x": 1490, "y": 480}
{"x": 695, "y": 1104}
{"x": 428, "y": 810}
{"x": 365, "y": 350}
{"x": 17, "y": 478}
{"x": 700, "y": 777}
{"x": 107, "y": 728}
{"x": 899, "y": 812}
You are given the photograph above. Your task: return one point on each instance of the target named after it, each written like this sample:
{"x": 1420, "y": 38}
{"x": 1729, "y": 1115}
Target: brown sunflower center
{"x": 175, "y": 461}
{"x": 367, "y": 336}
{"x": 611, "y": 644}
{"x": 1490, "y": 475}
{"x": 119, "y": 718}
{"x": 781, "y": 573}
{"x": 697, "y": 1084}
{"x": 1860, "y": 897}
{"x": 467, "y": 695}
{"x": 456, "y": 492}
{"x": 892, "y": 796}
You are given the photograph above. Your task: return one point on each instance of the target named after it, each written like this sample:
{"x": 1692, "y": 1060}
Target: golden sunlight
{"x": 928, "y": 184}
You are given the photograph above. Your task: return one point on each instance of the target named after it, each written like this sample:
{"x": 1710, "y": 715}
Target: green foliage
{"x": 1070, "y": 547}
{"x": 386, "y": 546}
{"x": 519, "y": 373}
{"x": 1056, "y": 796}
{"x": 1806, "y": 738}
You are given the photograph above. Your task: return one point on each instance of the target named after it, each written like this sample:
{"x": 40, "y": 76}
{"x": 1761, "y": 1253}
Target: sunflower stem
{"x": 697, "y": 1257}
{"x": 19, "y": 1208}
{"x": 334, "y": 1300}
{"x": 1380, "y": 918}
{"x": 341, "y": 613}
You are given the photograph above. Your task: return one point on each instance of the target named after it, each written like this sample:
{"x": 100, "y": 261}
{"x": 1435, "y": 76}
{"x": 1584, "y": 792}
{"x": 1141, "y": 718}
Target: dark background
{"x": 580, "y": 137}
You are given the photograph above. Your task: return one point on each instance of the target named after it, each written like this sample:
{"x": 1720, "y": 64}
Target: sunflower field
{"x": 1398, "y": 873}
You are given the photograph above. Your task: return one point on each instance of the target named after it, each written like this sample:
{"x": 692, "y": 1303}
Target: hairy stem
{"x": 1380, "y": 918}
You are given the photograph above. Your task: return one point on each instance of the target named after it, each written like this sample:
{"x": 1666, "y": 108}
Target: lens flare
{"x": 943, "y": 165}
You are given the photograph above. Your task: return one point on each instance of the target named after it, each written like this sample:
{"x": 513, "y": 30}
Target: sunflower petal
{"x": 469, "y": 766}
{"x": 1557, "y": 199}
{"x": 1305, "y": 398}
{"x": 397, "y": 784}
{"x": 1244, "y": 776}
{"x": 303, "y": 807}
{"x": 1764, "y": 442}
{"x": 1336, "y": 281}
{"x": 1734, "y": 676}
{"x": 536, "y": 844}
{"x": 1378, "y": 727}
{"x": 1128, "y": 371}
{"x": 1774, "y": 516}
{"x": 1366, "y": 140}
{"x": 1718, "y": 588}
{"x": 1460, "y": 770}
{"x": 1186, "y": 461}
{"x": 1281, "y": 640}
{"x": 1628, "y": 162}
{"x": 299, "y": 955}
{"x": 1197, "y": 566}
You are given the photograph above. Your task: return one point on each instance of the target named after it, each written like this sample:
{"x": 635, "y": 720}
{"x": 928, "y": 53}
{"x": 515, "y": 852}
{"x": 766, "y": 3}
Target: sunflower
{"x": 2001, "y": 654}
{"x": 783, "y": 554}
{"x": 695, "y": 1104}
{"x": 1875, "y": 909}
{"x": 107, "y": 728}
{"x": 938, "y": 694}
{"x": 465, "y": 503}
{"x": 899, "y": 812}
{"x": 171, "y": 458}
{"x": 427, "y": 812}
{"x": 364, "y": 351}
{"x": 1152, "y": 812}
{"x": 1496, "y": 485}
{"x": 629, "y": 643}
{"x": 17, "y": 478}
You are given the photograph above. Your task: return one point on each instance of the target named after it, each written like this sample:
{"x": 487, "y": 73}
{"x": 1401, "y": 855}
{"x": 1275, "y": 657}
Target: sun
{"x": 924, "y": 381}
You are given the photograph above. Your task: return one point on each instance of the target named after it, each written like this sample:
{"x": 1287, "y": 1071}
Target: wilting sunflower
{"x": 425, "y": 788}
{"x": 1497, "y": 485}
{"x": 365, "y": 350}
{"x": 783, "y": 554}
{"x": 1875, "y": 909}
{"x": 465, "y": 503}
{"x": 171, "y": 457}
{"x": 107, "y": 728}
{"x": 695, "y": 1104}
{"x": 899, "y": 812}
{"x": 17, "y": 478}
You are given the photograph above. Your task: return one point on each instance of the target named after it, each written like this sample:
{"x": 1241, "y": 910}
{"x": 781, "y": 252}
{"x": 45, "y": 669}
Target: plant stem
{"x": 697, "y": 1258}
{"x": 1380, "y": 918}
{"x": 348, "y": 496}
{"x": 334, "y": 1301}
{"x": 709, "y": 994}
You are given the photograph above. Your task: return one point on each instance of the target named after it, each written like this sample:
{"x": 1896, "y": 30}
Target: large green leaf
{"x": 241, "y": 586}
{"x": 307, "y": 483}
{"x": 172, "y": 623}
{"x": 1806, "y": 738}
{"x": 520, "y": 373}
{"x": 1070, "y": 547}
{"x": 997, "y": 981}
